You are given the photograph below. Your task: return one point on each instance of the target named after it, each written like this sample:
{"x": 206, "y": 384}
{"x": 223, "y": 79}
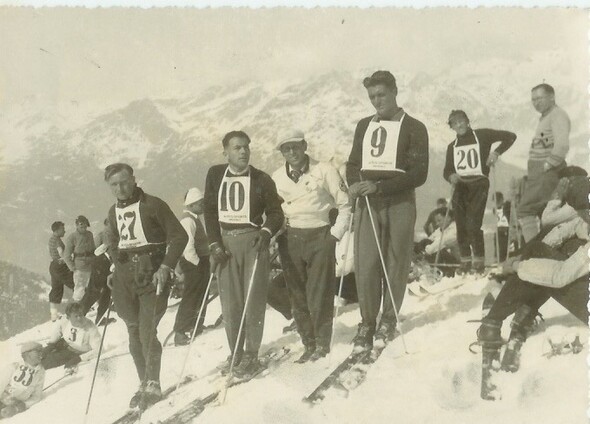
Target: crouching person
{"x": 21, "y": 383}
{"x": 75, "y": 338}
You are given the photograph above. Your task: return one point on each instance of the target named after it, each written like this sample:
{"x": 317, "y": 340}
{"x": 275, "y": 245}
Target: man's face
{"x": 460, "y": 125}
{"x": 294, "y": 153}
{"x": 122, "y": 184}
{"x": 383, "y": 100}
{"x": 76, "y": 318}
{"x": 237, "y": 153}
{"x": 196, "y": 207}
{"x": 440, "y": 221}
{"x": 61, "y": 231}
{"x": 542, "y": 101}
{"x": 81, "y": 227}
{"x": 33, "y": 357}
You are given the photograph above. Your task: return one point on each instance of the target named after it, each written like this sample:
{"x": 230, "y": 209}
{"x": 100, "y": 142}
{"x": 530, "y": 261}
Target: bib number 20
{"x": 469, "y": 159}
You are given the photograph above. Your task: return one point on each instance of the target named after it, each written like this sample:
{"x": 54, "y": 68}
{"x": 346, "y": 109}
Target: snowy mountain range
{"x": 52, "y": 160}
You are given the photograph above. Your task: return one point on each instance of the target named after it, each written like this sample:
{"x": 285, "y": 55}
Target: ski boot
{"x": 136, "y": 398}
{"x": 520, "y": 328}
{"x": 307, "y": 354}
{"x": 489, "y": 337}
{"x": 386, "y": 331}
{"x": 464, "y": 267}
{"x": 181, "y": 339}
{"x": 249, "y": 366}
{"x": 364, "y": 337}
{"x": 320, "y": 352}
{"x": 225, "y": 366}
{"x": 151, "y": 394}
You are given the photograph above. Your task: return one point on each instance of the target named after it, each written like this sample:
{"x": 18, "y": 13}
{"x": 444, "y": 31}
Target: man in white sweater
{"x": 310, "y": 189}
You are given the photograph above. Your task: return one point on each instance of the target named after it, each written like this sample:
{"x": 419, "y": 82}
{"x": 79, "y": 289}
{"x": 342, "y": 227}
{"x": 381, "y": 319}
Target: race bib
{"x": 130, "y": 228}
{"x": 76, "y": 337}
{"x": 233, "y": 201}
{"x": 380, "y": 146}
{"x": 21, "y": 379}
{"x": 467, "y": 159}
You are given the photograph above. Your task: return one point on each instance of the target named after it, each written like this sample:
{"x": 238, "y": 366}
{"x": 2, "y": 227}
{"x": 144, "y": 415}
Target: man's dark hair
{"x": 546, "y": 88}
{"x": 572, "y": 171}
{"x": 74, "y": 307}
{"x": 232, "y": 134}
{"x": 114, "y": 168}
{"x": 441, "y": 201}
{"x": 455, "y": 114}
{"x": 443, "y": 212}
{"x": 499, "y": 196}
{"x": 57, "y": 225}
{"x": 385, "y": 78}
{"x": 82, "y": 220}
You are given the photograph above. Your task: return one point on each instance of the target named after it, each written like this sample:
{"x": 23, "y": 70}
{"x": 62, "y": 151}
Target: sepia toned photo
{"x": 294, "y": 215}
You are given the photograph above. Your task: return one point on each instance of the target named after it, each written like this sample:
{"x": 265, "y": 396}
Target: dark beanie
{"x": 577, "y": 193}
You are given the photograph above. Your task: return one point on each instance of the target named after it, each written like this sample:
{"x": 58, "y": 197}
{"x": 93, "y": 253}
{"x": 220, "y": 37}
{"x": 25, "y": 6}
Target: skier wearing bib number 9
{"x": 388, "y": 161}
{"x": 146, "y": 243}
{"x": 467, "y": 168}
{"x": 237, "y": 195}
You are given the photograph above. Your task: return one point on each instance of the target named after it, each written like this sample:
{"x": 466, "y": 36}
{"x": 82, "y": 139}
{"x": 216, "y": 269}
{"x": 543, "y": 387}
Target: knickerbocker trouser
{"x": 469, "y": 205}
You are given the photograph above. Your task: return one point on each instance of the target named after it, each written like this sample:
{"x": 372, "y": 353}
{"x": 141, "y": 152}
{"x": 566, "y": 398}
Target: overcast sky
{"x": 112, "y": 56}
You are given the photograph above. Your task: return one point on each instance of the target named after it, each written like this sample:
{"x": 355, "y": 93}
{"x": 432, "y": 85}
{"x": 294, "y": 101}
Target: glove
{"x": 454, "y": 178}
{"x": 218, "y": 254}
{"x": 72, "y": 362}
{"x": 15, "y": 408}
{"x": 261, "y": 241}
{"x": 161, "y": 277}
{"x": 492, "y": 159}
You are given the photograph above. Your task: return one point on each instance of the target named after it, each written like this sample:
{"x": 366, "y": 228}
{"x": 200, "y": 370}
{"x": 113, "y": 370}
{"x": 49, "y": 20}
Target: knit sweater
{"x": 412, "y": 157}
{"x": 551, "y": 141}
{"x": 79, "y": 251}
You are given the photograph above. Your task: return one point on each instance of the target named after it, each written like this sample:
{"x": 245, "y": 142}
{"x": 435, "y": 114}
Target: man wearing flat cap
{"x": 310, "y": 189}
{"x": 21, "y": 383}
{"x": 387, "y": 162}
{"x": 194, "y": 264}
{"x": 79, "y": 256}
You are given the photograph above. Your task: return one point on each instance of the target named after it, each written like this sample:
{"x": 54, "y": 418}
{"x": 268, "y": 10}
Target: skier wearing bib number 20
{"x": 236, "y": 197}
{"x": 467, "y": 167}
{"x": 147, "y": 241}
{"x": 388, "y": 160}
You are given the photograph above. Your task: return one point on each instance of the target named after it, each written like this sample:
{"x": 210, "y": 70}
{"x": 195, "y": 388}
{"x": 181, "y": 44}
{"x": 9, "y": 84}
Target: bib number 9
{"x": 378, "y": 142}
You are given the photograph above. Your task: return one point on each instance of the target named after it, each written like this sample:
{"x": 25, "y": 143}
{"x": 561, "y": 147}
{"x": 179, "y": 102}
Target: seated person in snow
{"x": 430, "y": 224}
{"x": 556, "y": 266}
{"x": 74, "y": 339}
{"x": 444, "y": 240}
{"x": 21, "y": 383}
{"x": 557, "y": 211}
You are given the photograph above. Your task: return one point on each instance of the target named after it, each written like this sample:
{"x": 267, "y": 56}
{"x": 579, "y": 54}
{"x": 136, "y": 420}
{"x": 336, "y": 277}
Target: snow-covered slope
{"x": 436, "y": 381}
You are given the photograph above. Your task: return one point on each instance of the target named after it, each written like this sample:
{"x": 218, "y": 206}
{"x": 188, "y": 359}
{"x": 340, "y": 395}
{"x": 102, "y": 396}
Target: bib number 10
{"x": 232, "y": 197}
{"x": 467, "y": 159}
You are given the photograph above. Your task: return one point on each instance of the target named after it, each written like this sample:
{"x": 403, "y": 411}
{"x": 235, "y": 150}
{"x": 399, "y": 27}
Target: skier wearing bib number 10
{"x": 146, "y": 241}
{"x": 467, "y": 167}
{"x": 237, "y": 195}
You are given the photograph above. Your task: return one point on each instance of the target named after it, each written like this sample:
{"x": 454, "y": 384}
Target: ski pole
{"x": 344, "y": 258}
{"x": 495, "y": 206}
{"x": 223, "y": 392}
{"x": 104, "y": 332}
{"x": 58, "y": 380}
{"x": 203, "y": 303}
{"x": 442, "y": 230}
{"x": 385, "y": 271}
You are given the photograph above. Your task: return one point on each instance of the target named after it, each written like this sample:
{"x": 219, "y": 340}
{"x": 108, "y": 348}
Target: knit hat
{"x": 193, "y": 195}
{"x": 577, "y": 193}
{"x": 29, "y": 346}
{"x": 290, "y": 136}
{"x": 82, "y": 220}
